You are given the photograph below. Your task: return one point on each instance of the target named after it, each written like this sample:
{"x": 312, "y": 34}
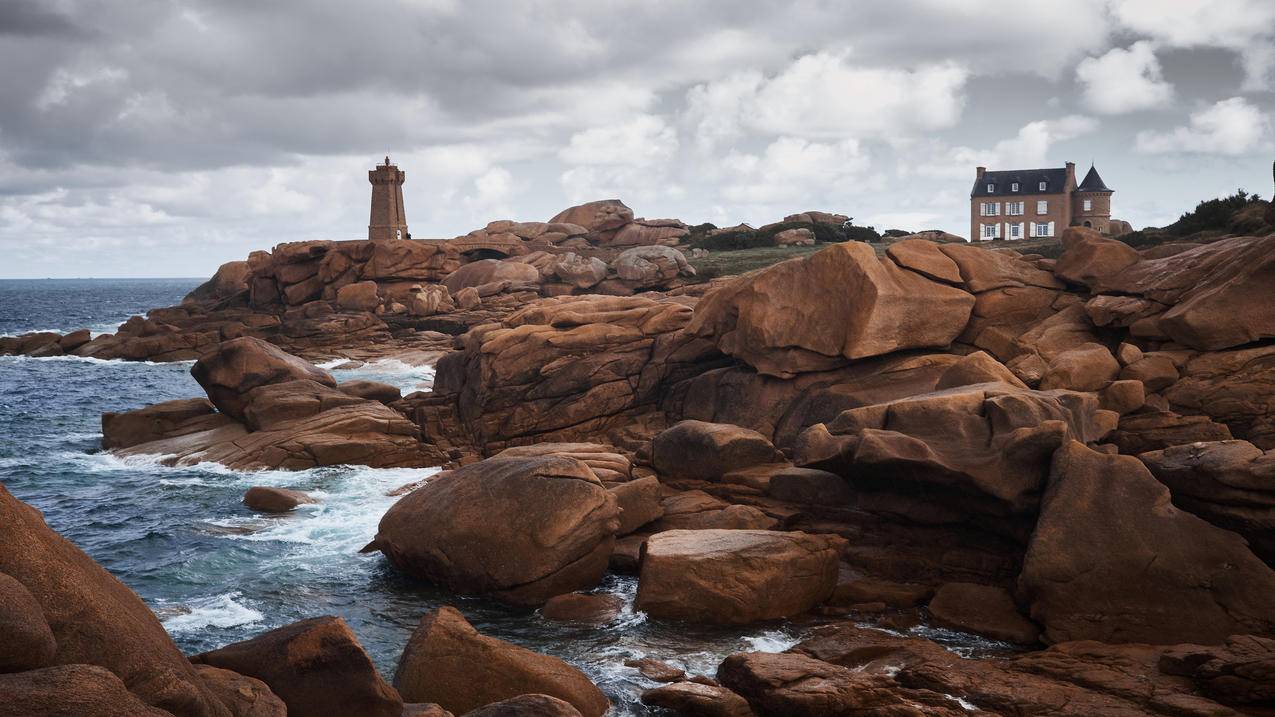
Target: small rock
{"x": 582, "y": 607}
{"x": 653, "y": 669}
{"x": 274, "y": 500}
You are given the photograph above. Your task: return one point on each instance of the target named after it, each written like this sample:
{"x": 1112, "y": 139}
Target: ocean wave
{"x": 771, "y": 641}
{"x": 352, "y": 501}
{"x": 96, "y": 361}
{"x": 405, "y": 376}
{"x": 220, "y": 611}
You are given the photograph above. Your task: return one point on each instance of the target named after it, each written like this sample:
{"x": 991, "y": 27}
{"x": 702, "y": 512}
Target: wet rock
{"x": 793, "y": 684}
{"x": 653, "y": 669}
{"x": 520, "y": 529}
{"x": 706, "y": 451}
{"x": 736, "y": 576}
{"x": 527, "y": 706}
{"x": 782, "y": 320}
{"x": 692, "y": 699}
{"x": 448, "y": 662}
{"x": 983, "y": 610}
{"x": 26, "y": 642}
{"x": 1111, "y": 559}
{"x": 1238, "y": 673}
{"x": 244, "y": 696}
{"x": 95, "y": 620}
{"x": 74, "y": 690}
{"x": 170, "y": 418}
{"x": 579, "y": 607}
{"x": 316, "y": 666}
{"x": 268, "y": 499}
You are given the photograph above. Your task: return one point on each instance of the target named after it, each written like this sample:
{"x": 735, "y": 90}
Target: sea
{"x": 216, "y": 572}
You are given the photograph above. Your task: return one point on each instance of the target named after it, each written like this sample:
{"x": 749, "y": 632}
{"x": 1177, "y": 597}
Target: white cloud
{"x": 792, "y": 169}
{"x": 1124, "y": 80}
{"x": 643, "y": 141}
{"x": 1230, "y": 127}
{"x": 822, "y": 95}
{"x": 1030, "y": 147}
{"x": 1245, "y": 26}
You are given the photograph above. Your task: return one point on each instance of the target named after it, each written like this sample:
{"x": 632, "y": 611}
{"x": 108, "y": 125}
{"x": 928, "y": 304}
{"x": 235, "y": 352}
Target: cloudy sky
{"x": 163, "y": 137}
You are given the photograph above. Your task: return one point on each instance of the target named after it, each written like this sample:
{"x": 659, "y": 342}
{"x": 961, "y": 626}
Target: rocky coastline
{"x": 1071, "y": 456}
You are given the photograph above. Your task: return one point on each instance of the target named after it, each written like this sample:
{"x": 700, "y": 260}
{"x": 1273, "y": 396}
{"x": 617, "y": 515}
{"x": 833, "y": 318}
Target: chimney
{"x": 979, "y": 172}
{"x": 1071, "y": 174}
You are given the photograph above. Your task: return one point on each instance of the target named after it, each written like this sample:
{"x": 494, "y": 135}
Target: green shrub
{"x": 1212, "y": 214}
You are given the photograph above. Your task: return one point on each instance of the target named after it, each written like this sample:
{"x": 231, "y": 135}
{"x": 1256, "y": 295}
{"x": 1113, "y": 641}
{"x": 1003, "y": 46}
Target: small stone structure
{"x": 388, "y": 220}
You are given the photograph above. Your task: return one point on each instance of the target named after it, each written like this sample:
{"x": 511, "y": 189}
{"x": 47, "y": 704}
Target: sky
{"x": 165, "y": 137}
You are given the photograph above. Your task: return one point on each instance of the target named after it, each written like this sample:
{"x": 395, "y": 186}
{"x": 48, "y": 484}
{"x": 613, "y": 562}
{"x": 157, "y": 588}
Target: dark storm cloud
{"x": 248, "y": 122}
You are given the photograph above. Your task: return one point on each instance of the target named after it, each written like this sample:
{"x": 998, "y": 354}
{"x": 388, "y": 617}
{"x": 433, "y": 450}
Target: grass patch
{"x": 733, "y": 263}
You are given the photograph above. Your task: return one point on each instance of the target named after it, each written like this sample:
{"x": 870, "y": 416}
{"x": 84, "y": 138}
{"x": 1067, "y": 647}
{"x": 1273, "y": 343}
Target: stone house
{"x": 1031, "y": 203}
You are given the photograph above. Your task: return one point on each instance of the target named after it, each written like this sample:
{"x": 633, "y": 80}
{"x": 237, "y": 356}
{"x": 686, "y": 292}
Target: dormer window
{"x": 1013, "y": 187}
{"x": 991, "y": 188}
{"x": 1042, "y": 186}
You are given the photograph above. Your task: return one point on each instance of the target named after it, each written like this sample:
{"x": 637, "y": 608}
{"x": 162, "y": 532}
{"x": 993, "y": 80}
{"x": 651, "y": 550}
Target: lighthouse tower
{"x": 388, "y": 221}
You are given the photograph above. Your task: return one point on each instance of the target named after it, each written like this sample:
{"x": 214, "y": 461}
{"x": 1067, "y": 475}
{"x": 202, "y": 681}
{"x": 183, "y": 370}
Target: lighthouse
{"x": 388, "y": 221}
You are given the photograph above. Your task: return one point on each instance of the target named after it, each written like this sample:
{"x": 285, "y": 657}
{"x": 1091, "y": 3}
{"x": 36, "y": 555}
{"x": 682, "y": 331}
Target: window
{"x": 1014, "y": 209}
{"x": 989, "y": 231}
{"x": 1043, "y": 185}
{"x": 1015, "y": 231}
{"x": 1042, "y": 207}
{"x": 1088, "y": 203}
{"x": 1042, "y": 229}
{"x": 1013, "y": 187}
{"x": 990, "y": 209}
{"x": 991, "y": 188}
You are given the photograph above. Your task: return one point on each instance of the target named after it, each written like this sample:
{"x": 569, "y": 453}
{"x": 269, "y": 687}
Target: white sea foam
{"x": 405, "y": 376}
{"x": 352, "y": 501}
{"x": 217, "y": 611}
{"x": 771, "y": 641}
{"x": 96, "y": 361}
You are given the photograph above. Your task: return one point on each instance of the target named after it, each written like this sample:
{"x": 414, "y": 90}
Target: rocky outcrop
{"x": 978, "y": 454}
{"x": 94, "y": 620}
{"x": 735, "y": 576}
{"x": 983, "y": 610}
{"x": 269, "y": 499}
{"x": 1112, "y": 560}
{"x": 1231, "y": 484}
{"x": 244, "y": 696}
{"x": 1236, "y": 388}
{"x": 26, "y": 642}
{"x": 276, "y": 411}
{"x": 601, "y": 219}
{"x": 66, "y": 690}
{"x": 645, "y": 267}
{"x": 519, "y": 529}
{"x": 316, "y": 666}
{"x": 845, "y": 669}
{"x": 785, "y": 320}
{"x": 1210, "y": 297}
{"x": 238, "y": 366}
{"x": 568, "y": 368}
{"x": 448, "y": 662}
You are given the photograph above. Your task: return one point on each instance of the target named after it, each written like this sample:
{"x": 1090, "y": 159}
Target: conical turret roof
{"x": 1093, "y": 182}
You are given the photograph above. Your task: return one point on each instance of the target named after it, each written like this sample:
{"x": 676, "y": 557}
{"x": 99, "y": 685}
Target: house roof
{"x": 1093, "y": 182}
{"x": 1029, "y": 180}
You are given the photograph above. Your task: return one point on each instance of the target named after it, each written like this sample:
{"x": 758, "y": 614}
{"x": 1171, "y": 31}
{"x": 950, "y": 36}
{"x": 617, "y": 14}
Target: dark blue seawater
{"x": 214, "y": 571}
